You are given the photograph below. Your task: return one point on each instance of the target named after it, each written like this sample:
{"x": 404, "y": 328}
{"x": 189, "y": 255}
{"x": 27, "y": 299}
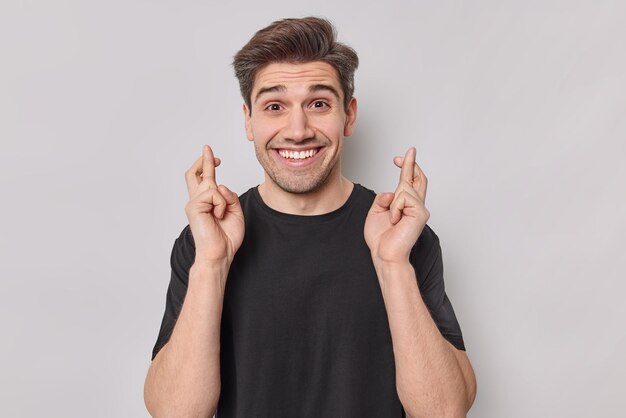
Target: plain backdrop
{"x": 517, "y": 110}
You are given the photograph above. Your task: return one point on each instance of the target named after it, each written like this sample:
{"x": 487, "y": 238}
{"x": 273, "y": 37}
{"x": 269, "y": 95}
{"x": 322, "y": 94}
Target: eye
{"x": 273, "y": 107}
{"x": 319, "y": 104}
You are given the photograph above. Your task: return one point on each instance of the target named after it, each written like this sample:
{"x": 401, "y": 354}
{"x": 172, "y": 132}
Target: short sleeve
{"x": 181, "y": 260}
{"x": 428, "y": 263}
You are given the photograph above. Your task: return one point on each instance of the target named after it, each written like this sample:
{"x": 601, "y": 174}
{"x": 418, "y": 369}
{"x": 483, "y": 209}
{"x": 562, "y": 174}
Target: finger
{"x": 420, "y": 181}
{"x": 216, "y": 162}
{"x": 420, "y": 184}
{"x": 399, "y": 161}
{"x": 382, "y": 202}
{"x": 396, "y": 207}
{"x": 208, "y": 166}
{"x": 403, "y": 201}
{"x": 214, "y": 201}
{"x": 192, "y": 178}
{"x": 232, "y": 200}
{"x": 406, "y": 171}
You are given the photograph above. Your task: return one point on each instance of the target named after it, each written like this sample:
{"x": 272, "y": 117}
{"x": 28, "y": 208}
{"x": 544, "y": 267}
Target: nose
{"x": 298, "y": 128}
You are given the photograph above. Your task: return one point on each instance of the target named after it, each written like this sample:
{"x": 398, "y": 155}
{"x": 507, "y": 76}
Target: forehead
{"x": 295, "y": 75}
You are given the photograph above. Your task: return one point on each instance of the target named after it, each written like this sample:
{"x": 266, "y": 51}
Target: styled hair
{"x": 295, "y": 41}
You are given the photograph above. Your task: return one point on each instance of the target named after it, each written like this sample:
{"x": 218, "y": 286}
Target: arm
{"x": 433, "y": 378}
{"x": 184, "y": 377}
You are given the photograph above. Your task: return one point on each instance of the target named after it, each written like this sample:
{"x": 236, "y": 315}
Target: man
{"x": 307, "y": 296}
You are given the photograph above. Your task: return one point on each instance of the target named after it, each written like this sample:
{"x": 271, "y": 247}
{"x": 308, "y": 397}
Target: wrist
{"x": 206, "y": 271}
{"x": 384, "y": 266}
{"x": 390, "y": 261}
{"x": 394, "y": 277}
{"x": 219, "y": 265}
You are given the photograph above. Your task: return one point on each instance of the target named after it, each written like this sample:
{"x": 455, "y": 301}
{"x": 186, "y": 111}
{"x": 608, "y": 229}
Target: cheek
{"x": 332, "y": 129}
{"x": 262, "y": 132}
{"x": 332, "y": 124}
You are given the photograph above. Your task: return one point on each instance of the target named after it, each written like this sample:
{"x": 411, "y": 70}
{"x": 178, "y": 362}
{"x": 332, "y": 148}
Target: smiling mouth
{"x": 298, "y": 155}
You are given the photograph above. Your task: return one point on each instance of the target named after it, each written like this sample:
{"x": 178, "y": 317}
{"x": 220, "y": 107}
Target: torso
{"x": 304, "y": 326}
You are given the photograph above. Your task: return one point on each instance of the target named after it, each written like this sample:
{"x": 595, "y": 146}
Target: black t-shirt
{"x": 304, "y": 329}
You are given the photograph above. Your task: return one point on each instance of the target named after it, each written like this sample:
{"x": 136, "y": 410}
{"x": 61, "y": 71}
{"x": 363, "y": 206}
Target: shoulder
{"x": 248, "y": 200}
{"x": 247, "y": 195}
{"x": 363, "y": 196}
{"x": 365, "y": 192}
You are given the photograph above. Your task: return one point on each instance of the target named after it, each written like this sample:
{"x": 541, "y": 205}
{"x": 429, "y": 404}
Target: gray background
{"x": 517, "y": 113}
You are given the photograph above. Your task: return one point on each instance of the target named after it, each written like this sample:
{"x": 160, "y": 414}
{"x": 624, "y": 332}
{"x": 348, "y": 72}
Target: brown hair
{"x": 295, "y": 41}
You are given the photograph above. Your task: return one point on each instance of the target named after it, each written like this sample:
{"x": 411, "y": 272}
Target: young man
{"x": 307, "y": 296}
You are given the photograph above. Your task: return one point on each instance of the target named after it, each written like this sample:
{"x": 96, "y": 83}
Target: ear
{"x": 246, "y": 115}
{"x": 350, "y": 117}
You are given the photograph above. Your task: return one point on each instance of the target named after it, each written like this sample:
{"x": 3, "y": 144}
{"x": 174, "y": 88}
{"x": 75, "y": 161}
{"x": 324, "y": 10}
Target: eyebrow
{"x": 280, "y": 88}
{"x": 324, "y": 87}
{"x": 272, "y": 89}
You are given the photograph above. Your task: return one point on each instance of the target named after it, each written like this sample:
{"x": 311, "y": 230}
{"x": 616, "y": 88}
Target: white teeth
{"x": 297, "y": 155}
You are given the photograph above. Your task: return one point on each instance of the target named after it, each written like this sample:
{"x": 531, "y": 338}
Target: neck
{"x": 332, "y": 195}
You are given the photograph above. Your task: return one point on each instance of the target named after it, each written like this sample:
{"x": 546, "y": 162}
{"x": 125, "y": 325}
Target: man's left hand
{"x": 396, "y": 220}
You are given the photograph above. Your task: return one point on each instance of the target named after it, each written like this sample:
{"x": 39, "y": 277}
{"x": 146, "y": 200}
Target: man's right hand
{"x": 214, "y": 212}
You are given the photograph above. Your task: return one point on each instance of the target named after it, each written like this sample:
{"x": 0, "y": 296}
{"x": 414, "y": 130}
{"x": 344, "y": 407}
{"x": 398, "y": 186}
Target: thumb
{"x": 382, "y": 202}
{"x": 232, "y": 200}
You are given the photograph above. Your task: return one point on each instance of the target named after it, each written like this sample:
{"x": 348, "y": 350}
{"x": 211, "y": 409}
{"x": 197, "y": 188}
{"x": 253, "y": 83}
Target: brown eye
{"x": 274, "y": 107}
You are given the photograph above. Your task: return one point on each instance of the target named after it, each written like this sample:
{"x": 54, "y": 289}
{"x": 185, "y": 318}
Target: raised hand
{"x": 396, "y": 220}
{"x": 214, "y": 212}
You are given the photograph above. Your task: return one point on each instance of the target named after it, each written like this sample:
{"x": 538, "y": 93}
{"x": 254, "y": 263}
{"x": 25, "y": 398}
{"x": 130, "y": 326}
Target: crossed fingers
{"x": 412, "y": 178}
{"x": 411, "y": 190}
{"x": 202, "y": 186}
{"x": 202, "y": 170}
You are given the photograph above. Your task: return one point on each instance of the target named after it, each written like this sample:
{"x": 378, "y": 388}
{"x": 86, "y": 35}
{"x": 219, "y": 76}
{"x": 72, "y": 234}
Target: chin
{"x": 302, "y": 185}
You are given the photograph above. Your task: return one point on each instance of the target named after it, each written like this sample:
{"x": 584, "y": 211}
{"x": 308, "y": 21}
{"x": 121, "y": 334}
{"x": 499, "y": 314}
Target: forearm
{"x": 184, "y": 378}
{"x": 429, "y": 379}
